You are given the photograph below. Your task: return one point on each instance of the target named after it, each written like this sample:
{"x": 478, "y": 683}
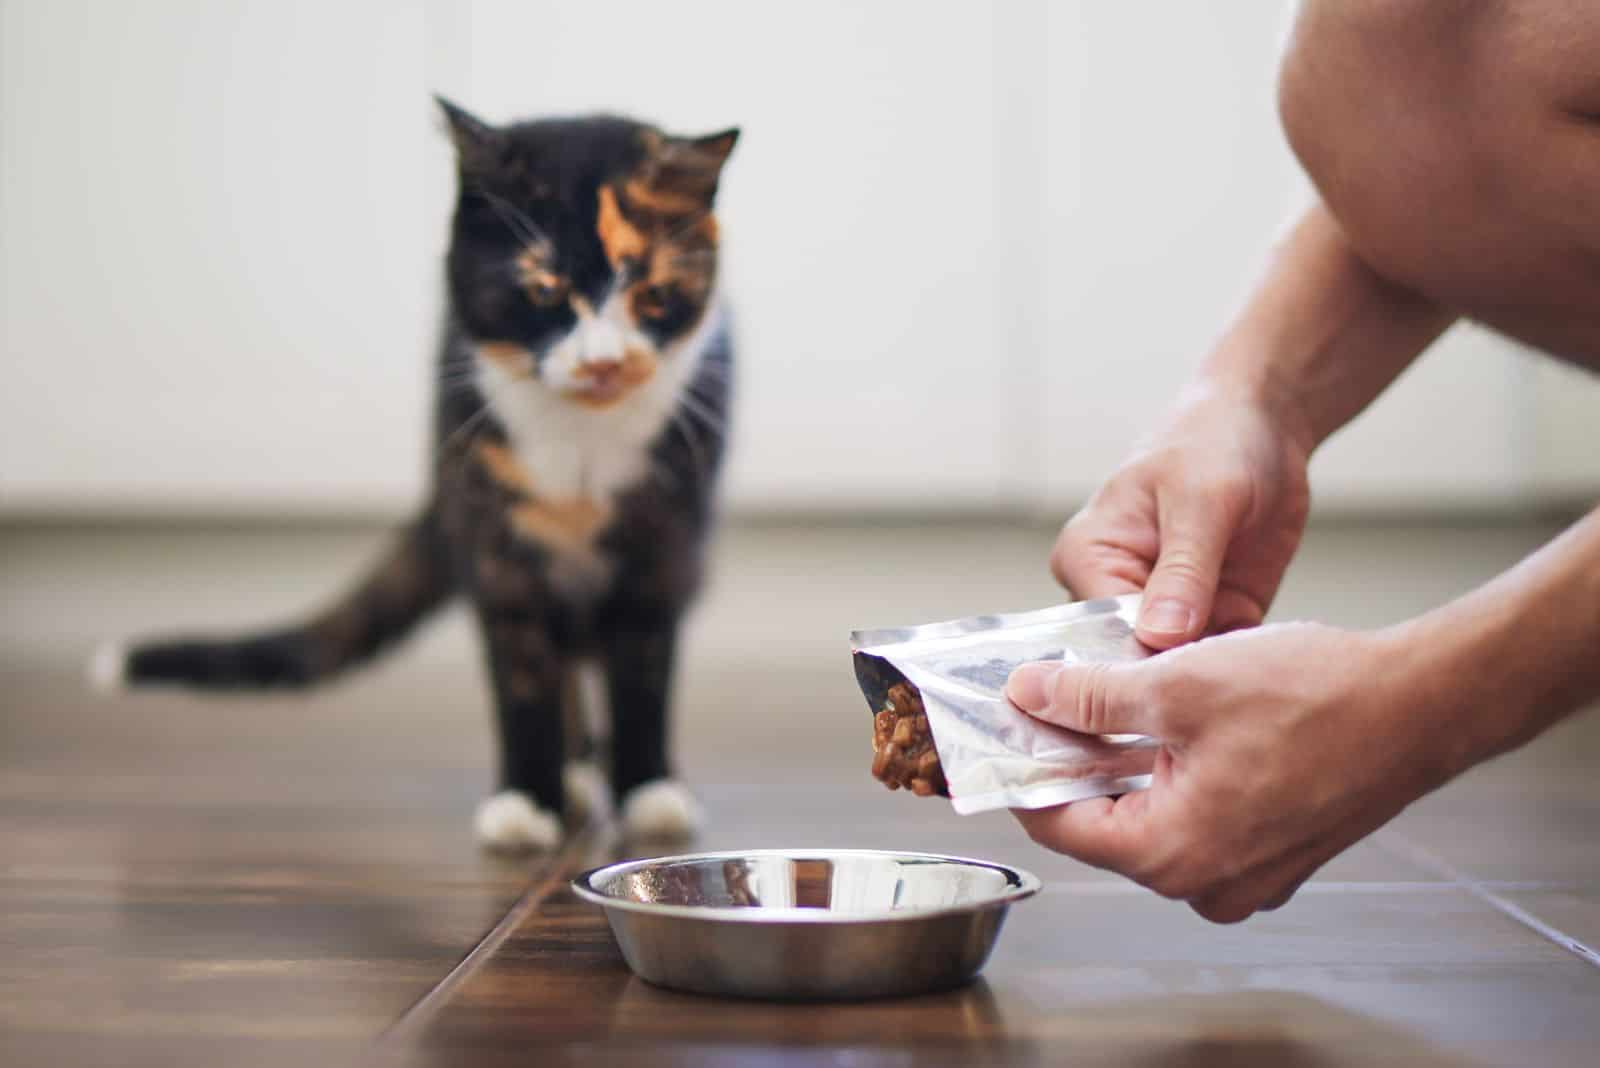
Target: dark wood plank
{"x": 250, "y": 881}
{"x": 1381, "y": 961}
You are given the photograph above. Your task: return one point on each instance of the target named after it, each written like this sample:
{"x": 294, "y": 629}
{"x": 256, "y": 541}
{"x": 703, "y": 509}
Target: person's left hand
{"x": 1281, "y": 747}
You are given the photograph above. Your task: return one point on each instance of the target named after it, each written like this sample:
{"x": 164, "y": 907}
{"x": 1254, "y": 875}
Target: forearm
{"x": 1322, "y": 335}
{"x": 1495, "y": 668}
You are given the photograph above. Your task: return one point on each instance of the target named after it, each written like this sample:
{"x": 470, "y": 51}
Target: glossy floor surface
{"x": 268, "y": 880}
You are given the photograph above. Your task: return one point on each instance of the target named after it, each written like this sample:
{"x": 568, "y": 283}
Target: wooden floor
{"x": 291, "y": 880}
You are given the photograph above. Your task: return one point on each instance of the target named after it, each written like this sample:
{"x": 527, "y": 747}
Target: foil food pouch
{"x": 992, "y": 754}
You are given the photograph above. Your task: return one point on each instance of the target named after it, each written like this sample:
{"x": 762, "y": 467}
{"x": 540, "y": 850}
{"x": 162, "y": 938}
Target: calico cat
{"x": 584, "y": 374}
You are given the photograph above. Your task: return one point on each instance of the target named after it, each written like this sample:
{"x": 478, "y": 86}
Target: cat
{"x": 585, "y": 367}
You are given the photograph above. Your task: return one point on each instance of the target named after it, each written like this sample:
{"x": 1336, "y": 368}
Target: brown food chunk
{"x": 903, "y": 753}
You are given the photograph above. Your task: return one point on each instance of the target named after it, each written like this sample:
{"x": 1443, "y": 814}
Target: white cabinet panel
{"x": 1563, "y": 432}
{"x": 214, "y": 263}
{"x": 1167, "y": 178}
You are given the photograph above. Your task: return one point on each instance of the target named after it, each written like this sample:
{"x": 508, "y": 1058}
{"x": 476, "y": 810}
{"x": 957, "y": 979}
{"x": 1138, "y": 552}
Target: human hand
{"x": 1281, "y": 746}
{"x": 1204, "y": 519}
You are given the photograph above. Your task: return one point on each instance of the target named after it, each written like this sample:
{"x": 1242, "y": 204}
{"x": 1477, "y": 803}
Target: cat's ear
{"x": 478, "y": 144}
{"x": 691, "y": 166}
{"x": 717, "y": 146}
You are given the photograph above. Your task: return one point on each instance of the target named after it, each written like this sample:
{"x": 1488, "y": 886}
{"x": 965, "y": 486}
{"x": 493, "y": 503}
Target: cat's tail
{"x": 410, "y": 581}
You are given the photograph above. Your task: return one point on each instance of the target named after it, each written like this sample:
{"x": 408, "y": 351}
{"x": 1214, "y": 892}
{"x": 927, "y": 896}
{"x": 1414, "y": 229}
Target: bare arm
{"x": 1506, "y": 661}
{"x": 1205, "y": 517}
{"x": 1324, "y": 334}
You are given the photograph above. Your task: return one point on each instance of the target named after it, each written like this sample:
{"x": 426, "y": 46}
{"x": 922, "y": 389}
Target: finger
{"x": 1246, "y": 896}
{"x": 1195, "y": 532}
{"x": 1092, "y": 586}
{"x": 1223, "y": 911}
{"x": 1242, "y": 897}
{"x": 1264, "y": 887}
{"x": 1232, "y": 610}
{"x": 1093, "y": 698}
{"x": 1300, "y": 878}
{"x": 1282, "y": 897}
{"x": 1100, "y": 832}
{"x": 1092, "y": 571}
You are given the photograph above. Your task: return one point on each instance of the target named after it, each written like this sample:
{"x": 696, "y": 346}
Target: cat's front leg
{"x": 638, "y": 651}
{"x": 527, "y": 671}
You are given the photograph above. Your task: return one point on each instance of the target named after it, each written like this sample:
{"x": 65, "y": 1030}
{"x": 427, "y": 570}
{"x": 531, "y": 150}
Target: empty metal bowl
{"x": 806, "y": 924}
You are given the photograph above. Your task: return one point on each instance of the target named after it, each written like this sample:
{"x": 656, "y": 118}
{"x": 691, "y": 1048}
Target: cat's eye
{"x": 546, "y": 289}
{"x": 650, "y": 301}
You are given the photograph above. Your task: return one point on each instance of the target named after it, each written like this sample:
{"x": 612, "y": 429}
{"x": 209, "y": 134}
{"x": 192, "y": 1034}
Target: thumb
{"x": 1092, "y": 698}
{"x": 1183, "y": 584}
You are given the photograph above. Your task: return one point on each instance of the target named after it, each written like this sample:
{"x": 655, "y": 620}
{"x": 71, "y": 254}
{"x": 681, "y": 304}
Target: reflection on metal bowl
{"x": 806, "y": 924}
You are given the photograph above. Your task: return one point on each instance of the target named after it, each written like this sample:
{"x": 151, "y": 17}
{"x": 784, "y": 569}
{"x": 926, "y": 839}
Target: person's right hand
{"x": 1203, "y": 519}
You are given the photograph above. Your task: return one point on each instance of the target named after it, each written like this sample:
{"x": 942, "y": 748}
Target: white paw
{"x": 588, "y": 795}
{"x": 661, "y": 809}
{"x": 511, "y": 822}
{"x": 108, "y": 668}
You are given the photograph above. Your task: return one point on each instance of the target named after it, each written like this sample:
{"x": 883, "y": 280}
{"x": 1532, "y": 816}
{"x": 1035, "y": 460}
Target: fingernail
{"x": 1166, "y": 616}
{"x": 1030, "y": 686}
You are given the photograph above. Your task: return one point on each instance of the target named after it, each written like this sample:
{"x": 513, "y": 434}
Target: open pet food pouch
{"x": 937, "y": 688}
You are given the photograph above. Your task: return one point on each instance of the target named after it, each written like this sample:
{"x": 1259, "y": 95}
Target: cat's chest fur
{"x": 571, "y": 463}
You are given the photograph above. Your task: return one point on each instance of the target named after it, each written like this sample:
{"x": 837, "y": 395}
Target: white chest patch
{"x": 575, "y": 453}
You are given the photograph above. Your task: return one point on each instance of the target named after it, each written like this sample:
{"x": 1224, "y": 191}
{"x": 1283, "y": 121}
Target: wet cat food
{"x": 903, "y": 754}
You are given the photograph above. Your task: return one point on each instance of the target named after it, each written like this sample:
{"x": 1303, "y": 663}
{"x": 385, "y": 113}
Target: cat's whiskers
{"x": 710, "y": 410}
{"x": 692, "y": 441}
{"x": 474, "y": 423}
{"x": 452, "y": 388}
{"x": 462, "y": 378}
{"x": 515, "y": 219}
{"x": 694, "y": 404}
{"x": 519, "y": 230}
{"x": 449, "y": 374}
{"x": 693, "y": 408}
{"x": 712, "y": 377}
{"x": 713, "y": 372}
{"x": 458, "y": 387}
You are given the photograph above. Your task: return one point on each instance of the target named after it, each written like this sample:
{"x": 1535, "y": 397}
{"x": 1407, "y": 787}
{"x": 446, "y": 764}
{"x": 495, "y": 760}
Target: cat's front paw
{"x": 587, "y": 792}
{"x": 108, "y": 668}
{"x": 510, "y": 822}
{"x": 661, "y": 809}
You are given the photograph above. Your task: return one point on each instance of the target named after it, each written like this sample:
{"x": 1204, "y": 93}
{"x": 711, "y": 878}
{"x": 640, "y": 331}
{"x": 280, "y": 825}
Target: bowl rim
{"x": 1027, "y": 884}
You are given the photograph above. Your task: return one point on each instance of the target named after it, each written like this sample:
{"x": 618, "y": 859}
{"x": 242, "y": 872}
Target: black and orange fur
{"x": 552, "y": 218}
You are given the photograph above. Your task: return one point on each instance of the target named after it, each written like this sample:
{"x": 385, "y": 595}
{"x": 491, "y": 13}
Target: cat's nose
{"x": 602, "y": 374}
{"x": 601, "y": 381}
{"x": 599, "y": 342}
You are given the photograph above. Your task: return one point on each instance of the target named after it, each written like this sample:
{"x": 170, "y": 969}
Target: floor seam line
{"x": 426, "y": 1006}
{"x": 1425, "y": 858}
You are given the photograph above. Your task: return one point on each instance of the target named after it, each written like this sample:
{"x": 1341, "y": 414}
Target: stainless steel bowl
{"x": 806, "y": 924}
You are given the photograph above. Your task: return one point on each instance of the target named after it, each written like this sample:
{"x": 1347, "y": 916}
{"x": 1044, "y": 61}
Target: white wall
{"x": 971, "y": 248}
{"x": 213, "y": 292}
